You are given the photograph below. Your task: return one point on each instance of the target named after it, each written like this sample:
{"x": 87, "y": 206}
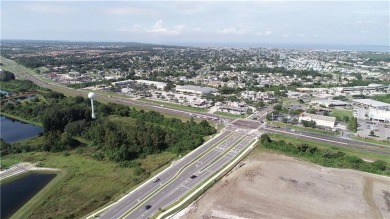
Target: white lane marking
{"x": 310, "y": 137}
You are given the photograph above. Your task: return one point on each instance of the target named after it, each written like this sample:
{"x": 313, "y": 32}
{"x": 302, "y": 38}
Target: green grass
{"x": 7, "y": 163}
{"x": 341, "y": 113}
{"x": 308, "y": 129}
{"x": 370, "y": 140}
{"x": 12, "y": 66}
{"x": 334, "y": 147}
{"x": 229, "y": 115}
{"x": 28, "y": 208}
{"x": 21, "y": 119}
{"x": 173, "y": 105}
{"x": 87, "y": 184}
{"x": 176, "y": 175}
{"x": 199, "y": 193}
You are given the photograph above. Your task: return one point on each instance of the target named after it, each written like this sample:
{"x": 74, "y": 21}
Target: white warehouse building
{"x": 326, "y": 121}
{"x": 195, "y": 89}
{"x": 158, "y": 84}
{"x": 379, "y": 115}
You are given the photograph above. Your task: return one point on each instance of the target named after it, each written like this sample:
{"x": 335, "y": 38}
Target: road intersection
{"x": 203, "y": 162}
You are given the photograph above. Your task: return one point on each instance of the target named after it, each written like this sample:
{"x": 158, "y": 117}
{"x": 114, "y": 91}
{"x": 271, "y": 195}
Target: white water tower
{"x": 92, "y": 95}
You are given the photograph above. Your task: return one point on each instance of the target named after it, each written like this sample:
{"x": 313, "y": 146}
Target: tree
{"x": 169, "y": 86}
{"x": 353, "y": 124}
{"x": 6, "y": 76}
{"x": 372, "y": 133}
{"x": 264, "y": 138}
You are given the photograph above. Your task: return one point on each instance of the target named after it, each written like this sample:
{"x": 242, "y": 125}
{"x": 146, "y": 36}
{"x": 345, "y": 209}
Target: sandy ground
{"x": 275, "y": 186}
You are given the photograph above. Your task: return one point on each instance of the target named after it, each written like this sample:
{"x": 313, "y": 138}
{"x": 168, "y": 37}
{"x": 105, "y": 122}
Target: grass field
{"x": 6, "y": 163}
{"x": 173, "y": 105}
{"x": 229, "y": 115}
{"x": 308, "y": 129}
{"x": 341, "y": 113}
{"x": 350, "y": 151}
{"x": 87, "y": 183}
{"x": 12, "y": 66}
{"x": 370, "y": 140}
{"x": 21, "y": 119}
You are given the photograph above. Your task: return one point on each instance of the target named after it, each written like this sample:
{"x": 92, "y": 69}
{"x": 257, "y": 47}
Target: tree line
{"x": 324, "y": 157}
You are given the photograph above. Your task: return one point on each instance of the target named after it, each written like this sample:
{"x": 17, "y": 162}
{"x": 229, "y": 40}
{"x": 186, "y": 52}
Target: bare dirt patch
{"x": 276, "y": 186}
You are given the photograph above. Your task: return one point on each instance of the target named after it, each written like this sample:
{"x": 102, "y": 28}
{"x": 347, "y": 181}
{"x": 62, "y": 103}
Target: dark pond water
{"x": 12, "y": 130}
{"x": 16, "y": 193}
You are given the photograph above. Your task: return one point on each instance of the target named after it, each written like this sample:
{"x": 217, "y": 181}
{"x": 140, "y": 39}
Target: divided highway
{"x": 176, "y": 181}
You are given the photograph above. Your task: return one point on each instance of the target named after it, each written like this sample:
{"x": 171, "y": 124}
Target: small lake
{"x": 18, "y": 192}
{"x": 12, "y": 130}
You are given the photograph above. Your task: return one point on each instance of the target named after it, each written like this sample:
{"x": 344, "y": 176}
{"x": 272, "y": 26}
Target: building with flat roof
{"x": 369, "y": 103}
{"x": 158, "y": 84}
{"x": 379, "y": 115}
{"x": 119, "y": 83}
{"x": 330, "y": 103}
{"x": 195, "y": 89}
{"x": 326, "y": 121}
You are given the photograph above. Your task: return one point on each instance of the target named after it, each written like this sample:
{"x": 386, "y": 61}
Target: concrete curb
{"x": 146, "y": 182}
{"x": 232, "y": 164}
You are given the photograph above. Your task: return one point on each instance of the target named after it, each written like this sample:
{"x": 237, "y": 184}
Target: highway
{"x": 123, "y": 100}
{"x": 176, "y": 181}
{"x": 342, "y": 142}
{"x": 204, "y": 161}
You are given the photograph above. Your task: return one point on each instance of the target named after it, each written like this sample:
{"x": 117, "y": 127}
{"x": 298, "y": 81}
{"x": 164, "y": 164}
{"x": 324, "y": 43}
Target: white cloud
{"x": 160, "y": 29}
{"x": 130, "y": 11}
{"x": 134, "y": 28}
{"x": 265, "y": 33}
{"x": 157, "y": 28}
{"x": 233, "y": 30}
{"x": 49, "y": 8}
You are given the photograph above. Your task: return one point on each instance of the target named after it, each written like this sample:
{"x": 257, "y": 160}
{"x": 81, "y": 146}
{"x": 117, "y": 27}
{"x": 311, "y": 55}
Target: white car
{"x": 156, "y": 179}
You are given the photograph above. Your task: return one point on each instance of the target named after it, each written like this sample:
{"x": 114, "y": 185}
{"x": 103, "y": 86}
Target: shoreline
{"x": 10, "y": 116}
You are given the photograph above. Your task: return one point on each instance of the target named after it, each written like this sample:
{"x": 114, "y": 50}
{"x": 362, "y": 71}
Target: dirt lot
{"x": 275, "y": 186}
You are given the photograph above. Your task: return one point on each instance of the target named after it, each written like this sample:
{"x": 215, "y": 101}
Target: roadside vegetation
{"x": 324, "y": 157}
{"x": 101, "y": 158}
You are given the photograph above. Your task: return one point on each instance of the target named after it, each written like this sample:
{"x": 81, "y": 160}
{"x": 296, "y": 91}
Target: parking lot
{"x": 381, "y": 131}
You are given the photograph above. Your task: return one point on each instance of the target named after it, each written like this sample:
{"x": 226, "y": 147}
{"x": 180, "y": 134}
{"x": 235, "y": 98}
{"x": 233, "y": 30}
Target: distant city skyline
{"x": 200, "y": 22}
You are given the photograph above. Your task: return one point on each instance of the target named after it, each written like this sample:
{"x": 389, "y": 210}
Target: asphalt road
{"x": 180, "y": 182}
{"x": 144, "y": 190}
{"x": 203, "y": 169}
{"x": 343, "y": 142}
{"x": 125, "y": 101}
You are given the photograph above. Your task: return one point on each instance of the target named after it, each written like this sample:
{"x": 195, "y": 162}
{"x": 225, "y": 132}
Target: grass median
{"x": 331, "y": 146}
{"x": 207, "y": 186}
{"x": 173, "y": 105}
{"x": 176, "y": 175}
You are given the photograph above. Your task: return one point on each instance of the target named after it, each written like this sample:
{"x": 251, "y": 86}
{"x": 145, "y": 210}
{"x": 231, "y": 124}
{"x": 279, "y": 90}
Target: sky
{"x": 181, "y": 22}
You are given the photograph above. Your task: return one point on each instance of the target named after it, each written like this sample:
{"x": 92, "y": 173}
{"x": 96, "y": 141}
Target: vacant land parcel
{"x": 275, "y": 186}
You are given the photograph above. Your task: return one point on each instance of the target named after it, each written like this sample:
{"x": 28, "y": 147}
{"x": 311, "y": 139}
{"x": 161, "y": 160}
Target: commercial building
{"x": 326, "y": 121}
{"x": 159, "y": 85}
{"x": 379, "y": 115}
{"x": 330, "y": 103}
{"x": 120, "y": 83}
{"x": 195, "y": 89}
{"x": 368, "y": 103}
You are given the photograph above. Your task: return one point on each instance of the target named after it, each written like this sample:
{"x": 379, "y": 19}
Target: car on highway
{"x": 156, "y": 179}
{"x": 147, "y": 207}
{"x": 193, "y": 176}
